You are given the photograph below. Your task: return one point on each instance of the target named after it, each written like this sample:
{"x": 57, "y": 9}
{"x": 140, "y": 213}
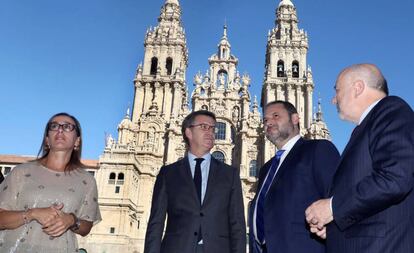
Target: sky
{"x": 80, "y": 56}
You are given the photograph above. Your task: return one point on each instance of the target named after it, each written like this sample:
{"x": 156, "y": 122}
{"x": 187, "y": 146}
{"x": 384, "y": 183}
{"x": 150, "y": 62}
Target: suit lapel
{"x": 288, "y": 162}
{"x": 187, "y": 177}
{"x": 212, "y": 178}
{"x": 355, "y": 136}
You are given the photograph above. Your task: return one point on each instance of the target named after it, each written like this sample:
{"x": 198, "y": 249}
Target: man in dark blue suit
{"x": 300, "y": 173}
{"x": 372, "y": 205}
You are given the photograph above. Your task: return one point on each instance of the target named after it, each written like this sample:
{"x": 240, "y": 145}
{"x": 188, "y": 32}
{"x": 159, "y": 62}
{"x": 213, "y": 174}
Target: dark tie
{"x": 262, "y": 196}
{"x": 197, "y": 176}
{"x": 197, "y": 182}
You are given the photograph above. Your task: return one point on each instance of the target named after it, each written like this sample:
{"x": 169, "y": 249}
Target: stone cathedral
{"x": 150, "y": 135}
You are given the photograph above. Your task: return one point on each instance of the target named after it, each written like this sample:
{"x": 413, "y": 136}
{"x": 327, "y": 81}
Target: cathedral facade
{"x": 150, "y": 136}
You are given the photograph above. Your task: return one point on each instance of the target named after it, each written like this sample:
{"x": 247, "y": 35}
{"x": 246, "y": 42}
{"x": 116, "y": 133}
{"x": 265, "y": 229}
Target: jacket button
{"x": 195, "y": 233}
{"x": 201, "y": 214}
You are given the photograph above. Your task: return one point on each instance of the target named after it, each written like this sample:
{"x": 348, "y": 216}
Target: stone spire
{"x": 222, "y": 75}
{"x": 286, "y": 3}
{"x": 172, "y": 2}
{"x": 318, "y": 128}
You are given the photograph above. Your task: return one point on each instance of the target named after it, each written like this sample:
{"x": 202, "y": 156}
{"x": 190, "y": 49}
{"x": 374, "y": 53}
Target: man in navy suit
{"x": 201, "y": 197}
{"x": 299, "y": 174}
{"x": 372, "y": 205}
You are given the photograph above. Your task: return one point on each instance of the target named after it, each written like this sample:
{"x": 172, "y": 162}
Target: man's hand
{"x": 319, "y": 214}
{"x": 319, "y": 232}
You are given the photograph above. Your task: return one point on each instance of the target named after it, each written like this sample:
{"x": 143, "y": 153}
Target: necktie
{"x": 197, "y": 182}
{"x": 197, "y": 176}
{"x": 262, "y": 196}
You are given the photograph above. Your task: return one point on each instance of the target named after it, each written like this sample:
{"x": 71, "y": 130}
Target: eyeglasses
{"x": 67, "y": 127}
{"x": 206, "y": 127}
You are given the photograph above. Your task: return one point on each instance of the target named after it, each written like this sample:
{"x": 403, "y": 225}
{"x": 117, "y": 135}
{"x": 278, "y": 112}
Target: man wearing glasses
{"x": 201, "y": 196}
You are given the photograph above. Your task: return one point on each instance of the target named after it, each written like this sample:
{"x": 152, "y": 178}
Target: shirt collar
{"x": 191, "y": 157}
{"x": 365, "y": 113}
{"x": 289, "y": 145}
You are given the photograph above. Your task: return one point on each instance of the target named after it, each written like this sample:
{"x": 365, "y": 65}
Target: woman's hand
{"x": 44, "y": 215}
{"x": 59, "y": 225}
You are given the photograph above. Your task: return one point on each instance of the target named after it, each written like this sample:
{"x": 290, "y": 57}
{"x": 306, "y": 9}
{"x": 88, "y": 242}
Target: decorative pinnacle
{"x": 172, "y": 2}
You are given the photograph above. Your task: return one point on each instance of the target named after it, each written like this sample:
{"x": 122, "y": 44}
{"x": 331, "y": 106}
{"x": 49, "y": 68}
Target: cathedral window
{"x": 218, "y": 155}
{"x": 120, "y": 178}
{"x": 112, "y": 177}
{"x": 295, "y": 69}
{"x": 280, "y": 68}
{"x": 168, "y": 65}
{"x": 220, "y": 131}
{"x": 112, "y": 230}
{"x": 117, "y": 189}
{"x": 253, "y": 168}
{"x": 154, "y": 66}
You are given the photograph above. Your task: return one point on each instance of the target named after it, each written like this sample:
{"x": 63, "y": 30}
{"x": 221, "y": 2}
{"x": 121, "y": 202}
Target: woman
{"x": 45, "y": 202}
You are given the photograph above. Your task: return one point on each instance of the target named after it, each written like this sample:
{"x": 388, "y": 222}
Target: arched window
{"x": 168, "y": 65}
{"x": 154, "y": 65}
{"x": 112, "y": 177}
{"x": 120, "y": 178}
{"x": 280, "y": 68}
{"x": 295, "y": 69}
{"x": 218, "y": 155}
{"x": 253, "y": 169}
{"x": 220, "y": 131}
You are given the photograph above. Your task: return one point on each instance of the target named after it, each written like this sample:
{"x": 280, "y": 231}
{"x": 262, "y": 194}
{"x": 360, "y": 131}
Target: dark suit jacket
{"x": 221, "y": 215}
{"x": 373, "y": 199}
{"x": 304, "y": 177}
{"x": 1, "y": 177}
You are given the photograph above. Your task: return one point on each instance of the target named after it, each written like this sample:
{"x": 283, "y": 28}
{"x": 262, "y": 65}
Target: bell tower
{"x": 160, "y": 81}
{"x": 287, "y": 75}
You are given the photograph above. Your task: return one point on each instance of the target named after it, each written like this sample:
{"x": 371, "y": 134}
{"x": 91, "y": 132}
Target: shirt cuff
{"x": 330, "y": 205}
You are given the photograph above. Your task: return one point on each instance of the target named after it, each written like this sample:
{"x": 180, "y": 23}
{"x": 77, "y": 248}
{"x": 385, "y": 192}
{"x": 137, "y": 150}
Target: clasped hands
{"x": 318, "y": 215}
{"x": 54, "y": 221}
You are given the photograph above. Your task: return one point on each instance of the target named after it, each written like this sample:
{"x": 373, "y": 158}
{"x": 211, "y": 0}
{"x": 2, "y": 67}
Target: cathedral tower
{"x": 287, "y": 75}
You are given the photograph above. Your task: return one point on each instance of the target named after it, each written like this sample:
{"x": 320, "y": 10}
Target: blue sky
{"x": 80, "y": 56}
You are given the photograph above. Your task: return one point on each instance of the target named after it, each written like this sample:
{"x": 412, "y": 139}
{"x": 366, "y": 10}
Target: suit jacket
{"x": 304, "y": 177}
{"x": 1, "y": 177}
{"x": 373, "y": 199}
{"x": 221, "y": 216}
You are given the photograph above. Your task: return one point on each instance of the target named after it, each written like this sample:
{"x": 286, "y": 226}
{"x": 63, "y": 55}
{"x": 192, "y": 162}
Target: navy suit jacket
{"x": 373, "y": 199}
{"x": 221, "y": 216}
{"x": 1, "y": 177}
{"x": 304, "y": 177}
